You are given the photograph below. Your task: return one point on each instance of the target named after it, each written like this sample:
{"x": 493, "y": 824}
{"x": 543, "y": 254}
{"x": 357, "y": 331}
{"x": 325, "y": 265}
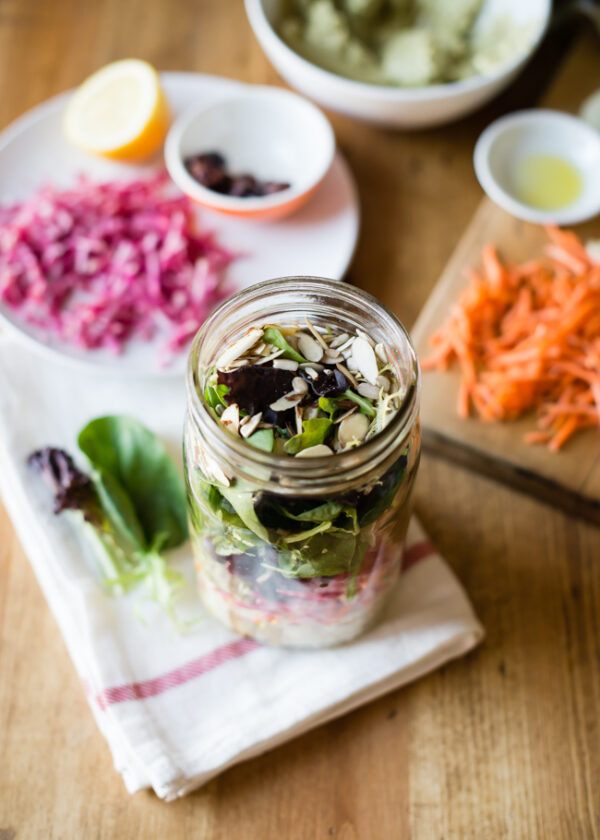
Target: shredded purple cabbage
{"x": 97, "y": 265}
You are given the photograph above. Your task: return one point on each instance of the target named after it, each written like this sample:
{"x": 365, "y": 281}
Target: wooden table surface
{"x": 501, "y": 744}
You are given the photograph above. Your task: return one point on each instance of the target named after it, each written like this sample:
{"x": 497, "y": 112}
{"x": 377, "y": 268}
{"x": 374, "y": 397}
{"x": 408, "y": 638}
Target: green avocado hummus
{"x": 409, "y": 43}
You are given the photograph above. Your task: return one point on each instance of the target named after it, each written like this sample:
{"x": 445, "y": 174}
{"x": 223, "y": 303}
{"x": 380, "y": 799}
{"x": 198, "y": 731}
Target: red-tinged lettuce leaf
{"x": 255, "y": 387}
{"x": 330, "y": 382}
{"x": 72, "y": 488}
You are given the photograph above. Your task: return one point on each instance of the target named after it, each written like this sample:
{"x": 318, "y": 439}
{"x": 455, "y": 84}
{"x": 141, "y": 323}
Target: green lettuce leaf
{"x": 262, "y": 439}
{"x": 214, "y": 395}
{"x": 273, "y": 336}
{"x": 314, "y": 432}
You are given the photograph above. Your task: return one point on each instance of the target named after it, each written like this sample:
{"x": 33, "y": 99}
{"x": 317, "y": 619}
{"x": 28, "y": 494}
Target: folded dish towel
{"x": 178, "y": 709}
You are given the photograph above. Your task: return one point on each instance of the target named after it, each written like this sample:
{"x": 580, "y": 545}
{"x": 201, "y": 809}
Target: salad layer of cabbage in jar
{"x": 301, "y": 447}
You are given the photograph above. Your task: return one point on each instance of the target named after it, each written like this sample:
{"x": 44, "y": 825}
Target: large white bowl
{"x": 396, "y": 106}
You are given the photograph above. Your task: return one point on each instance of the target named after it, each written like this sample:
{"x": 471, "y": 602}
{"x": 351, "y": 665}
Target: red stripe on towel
{"x": 179, "y": 676}
{"x": 414, "y": 553}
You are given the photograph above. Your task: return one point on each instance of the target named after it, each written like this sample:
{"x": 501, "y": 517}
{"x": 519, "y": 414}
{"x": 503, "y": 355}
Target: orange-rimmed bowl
{"x": 268, "y": 132}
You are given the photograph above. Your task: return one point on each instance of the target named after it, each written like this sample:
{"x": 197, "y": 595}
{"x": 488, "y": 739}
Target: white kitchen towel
{"x": 178, "y": 709}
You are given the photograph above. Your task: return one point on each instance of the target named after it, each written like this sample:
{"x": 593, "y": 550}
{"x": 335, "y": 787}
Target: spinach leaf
{"x": 273, "y": 336}
{"x": 322, "y": 513}
{"x": 315, "y": 432}
{"x": 243, "y": 503}
{"x": 137, "y": 482}
{"x": 362, "y": 541}
{"x": 373, "y": 505}
{"x": 329, "y": 404}
{"x": 326, "y": 554}
{"x": 119, "y": 509}
{"x": 364, "y": 404}
{"x": 306, "y": 535}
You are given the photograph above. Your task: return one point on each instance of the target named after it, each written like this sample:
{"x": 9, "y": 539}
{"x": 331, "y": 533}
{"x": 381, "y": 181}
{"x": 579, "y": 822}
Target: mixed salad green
{"x": 132, "y": 503}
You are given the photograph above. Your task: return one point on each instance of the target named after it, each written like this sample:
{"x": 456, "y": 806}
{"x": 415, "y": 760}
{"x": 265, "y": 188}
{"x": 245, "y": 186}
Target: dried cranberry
{"x": 270, "y": 187}
{"x": 244, "y": 185}
{"x": 210, "y": 170}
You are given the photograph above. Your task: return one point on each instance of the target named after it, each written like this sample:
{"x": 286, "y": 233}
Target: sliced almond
{"x": 310, "y": 412}
{"x": 339, "y": 340}
{"x": 383, "y": 382}
{"x": 287, "y": 401}
{"x": 382, "y": 353}
{"x": 346, "y": 345}
{"x": 365, "y": 389}
{"x": 364, "y": 357}
{"x": 239, "y": 347}
{"x": 348, "y": 413}
{"x": 299, "y": 385}
{"x": 343, "y": 369}
{"x": 316, "y": 334}
{"x": 217, "y": 473}
{"x": 353, "y": 429}
{"x": 285, "y": 364}
{"x": 365, "y": 337}
{"x": 309, "y": 348}
{"x": 314, "y": 451}
{"x": 268, "y": 358}
{"x": 298, "y": 416}
{"x": 209, "y": 466}
{"x": 250, "y": 425}
{"x": 231, "y": 418}
{"x": 311, "y": 372}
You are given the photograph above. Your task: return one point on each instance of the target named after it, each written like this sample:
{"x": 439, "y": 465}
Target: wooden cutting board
{"x": 571, "y": 477}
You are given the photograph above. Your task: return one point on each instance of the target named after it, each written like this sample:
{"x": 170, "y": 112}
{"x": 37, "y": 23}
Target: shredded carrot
{"x": 527, "y": 337}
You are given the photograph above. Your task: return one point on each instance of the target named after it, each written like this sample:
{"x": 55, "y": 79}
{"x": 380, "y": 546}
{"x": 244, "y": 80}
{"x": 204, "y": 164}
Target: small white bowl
{"x": 510, "y": 139}
{"x": 268, "y": 132}
{"x": 399, "y": 107}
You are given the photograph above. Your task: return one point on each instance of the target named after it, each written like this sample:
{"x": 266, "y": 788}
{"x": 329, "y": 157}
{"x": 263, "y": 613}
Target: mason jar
{"x": 255, "y": 573}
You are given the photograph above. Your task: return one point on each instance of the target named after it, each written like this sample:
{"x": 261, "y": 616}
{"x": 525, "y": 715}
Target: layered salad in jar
{"x": 310, "y": 568}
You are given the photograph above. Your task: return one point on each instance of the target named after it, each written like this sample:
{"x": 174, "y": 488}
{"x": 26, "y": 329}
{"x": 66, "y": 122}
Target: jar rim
{"x": 342, "y": 466}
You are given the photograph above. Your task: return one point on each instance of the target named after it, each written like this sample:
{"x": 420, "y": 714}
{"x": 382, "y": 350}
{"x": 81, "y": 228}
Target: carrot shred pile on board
{"x": 528, "y": 337}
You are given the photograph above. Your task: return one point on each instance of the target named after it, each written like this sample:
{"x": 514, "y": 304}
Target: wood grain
{"x": 501, "y": 744}
{"x": 571, "y": 478}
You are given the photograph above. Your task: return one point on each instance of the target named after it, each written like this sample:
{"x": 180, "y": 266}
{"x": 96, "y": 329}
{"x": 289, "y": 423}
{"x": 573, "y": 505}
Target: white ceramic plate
{"x": 317, "y": 240}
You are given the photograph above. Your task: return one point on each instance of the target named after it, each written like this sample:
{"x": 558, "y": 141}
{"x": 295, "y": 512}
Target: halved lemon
{"x": 120, "y": 111}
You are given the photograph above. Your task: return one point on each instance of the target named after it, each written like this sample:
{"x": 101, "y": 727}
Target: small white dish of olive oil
{"x": 542, "y": 166}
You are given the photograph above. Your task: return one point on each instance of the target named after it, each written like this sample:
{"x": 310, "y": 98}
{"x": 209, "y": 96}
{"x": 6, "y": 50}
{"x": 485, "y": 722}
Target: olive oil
{"x": 546, "y": 182}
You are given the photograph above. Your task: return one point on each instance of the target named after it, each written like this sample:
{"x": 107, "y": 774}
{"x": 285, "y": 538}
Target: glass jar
{"x": 256, "y": 574}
